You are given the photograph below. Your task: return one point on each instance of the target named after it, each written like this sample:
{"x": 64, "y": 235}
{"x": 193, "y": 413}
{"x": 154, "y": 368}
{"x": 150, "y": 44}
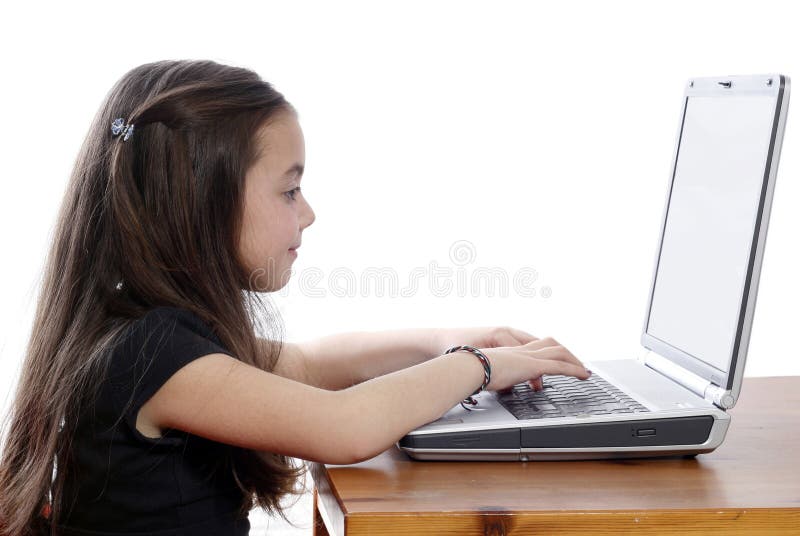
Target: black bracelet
{"x": 487, "y": 372}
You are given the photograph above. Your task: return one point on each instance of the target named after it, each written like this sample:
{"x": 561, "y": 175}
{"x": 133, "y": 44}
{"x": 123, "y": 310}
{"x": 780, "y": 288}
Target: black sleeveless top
{"x": 123, "y": 482}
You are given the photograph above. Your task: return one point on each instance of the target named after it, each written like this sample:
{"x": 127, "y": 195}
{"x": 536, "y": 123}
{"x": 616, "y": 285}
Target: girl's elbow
{"x": 367, "y": 450}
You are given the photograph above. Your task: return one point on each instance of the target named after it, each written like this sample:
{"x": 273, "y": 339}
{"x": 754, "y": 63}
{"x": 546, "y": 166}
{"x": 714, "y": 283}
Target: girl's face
{"x": 275, "y": 212}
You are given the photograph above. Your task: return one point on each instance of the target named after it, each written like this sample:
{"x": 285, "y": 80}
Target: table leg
{"x": 319, "y": 524}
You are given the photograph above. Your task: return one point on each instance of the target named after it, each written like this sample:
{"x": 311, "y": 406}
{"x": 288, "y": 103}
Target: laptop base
{"x": 542, "y": 455}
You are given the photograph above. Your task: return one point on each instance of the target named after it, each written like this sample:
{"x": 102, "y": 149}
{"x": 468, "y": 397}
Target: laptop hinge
{"x": 700, "y": 386}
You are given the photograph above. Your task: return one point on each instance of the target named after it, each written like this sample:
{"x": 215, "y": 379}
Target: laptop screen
{"x": 711, "y": 220}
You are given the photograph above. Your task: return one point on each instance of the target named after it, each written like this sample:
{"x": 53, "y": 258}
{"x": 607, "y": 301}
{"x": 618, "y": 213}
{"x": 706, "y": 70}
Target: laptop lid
{"x": 705, "y": 280}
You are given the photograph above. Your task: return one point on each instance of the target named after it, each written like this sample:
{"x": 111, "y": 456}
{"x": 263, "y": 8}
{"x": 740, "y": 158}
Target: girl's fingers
{"x": 522, "y": 336}
{"x": 507, "y": 339}
{"x": 547, "y": 366}
{"x": 541, "y": 343}
{"x": 558, "y": 353}
{"x": 536, "y": 383}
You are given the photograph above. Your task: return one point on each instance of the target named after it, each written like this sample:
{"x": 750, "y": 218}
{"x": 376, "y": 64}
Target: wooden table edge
{"x": 331, "y": 518}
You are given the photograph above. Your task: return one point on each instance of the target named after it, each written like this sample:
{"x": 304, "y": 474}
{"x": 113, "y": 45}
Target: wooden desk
{"x": 749, "y": 485}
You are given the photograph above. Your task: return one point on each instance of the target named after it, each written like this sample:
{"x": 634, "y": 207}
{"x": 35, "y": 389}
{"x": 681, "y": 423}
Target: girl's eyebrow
{"x": 296, "y": 168}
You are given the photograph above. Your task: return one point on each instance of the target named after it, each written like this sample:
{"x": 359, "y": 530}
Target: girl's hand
{"x": 512, "y": 365}
{"x": 485, "y": 337}
{"x": 481, "y": 337}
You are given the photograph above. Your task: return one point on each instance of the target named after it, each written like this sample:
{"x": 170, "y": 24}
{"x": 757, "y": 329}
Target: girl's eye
{"x": 292, "y": 193}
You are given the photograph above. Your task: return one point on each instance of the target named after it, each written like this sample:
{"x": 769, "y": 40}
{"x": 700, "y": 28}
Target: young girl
{"x": 156, "y": 395}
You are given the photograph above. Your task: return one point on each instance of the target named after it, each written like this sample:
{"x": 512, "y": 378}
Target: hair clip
{"x": 119, "y": 127}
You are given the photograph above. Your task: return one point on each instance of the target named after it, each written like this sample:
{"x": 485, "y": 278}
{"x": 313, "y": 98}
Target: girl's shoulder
{"x": 155, "y": 346}
{"x": 164, "y": 337}
{"x": 166, "y": 313}
{"x": 170, "y": 320}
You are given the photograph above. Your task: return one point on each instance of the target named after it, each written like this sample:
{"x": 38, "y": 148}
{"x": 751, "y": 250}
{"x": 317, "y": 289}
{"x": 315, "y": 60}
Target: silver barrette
{"x": 119, "y": 127}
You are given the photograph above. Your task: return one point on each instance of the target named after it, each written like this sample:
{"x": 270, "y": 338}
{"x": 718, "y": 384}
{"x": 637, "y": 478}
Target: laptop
{"x": 673, "y": 399}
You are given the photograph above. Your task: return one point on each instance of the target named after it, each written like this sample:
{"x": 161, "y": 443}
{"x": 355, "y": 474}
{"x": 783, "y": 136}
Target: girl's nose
{"x": 309, "y": 216}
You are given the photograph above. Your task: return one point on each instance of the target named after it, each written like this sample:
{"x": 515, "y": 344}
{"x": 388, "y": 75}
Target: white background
{"x": 541, "y": 134}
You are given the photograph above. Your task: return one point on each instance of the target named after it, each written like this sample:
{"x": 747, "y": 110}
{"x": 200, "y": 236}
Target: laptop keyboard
{"x": 566, "y": 396}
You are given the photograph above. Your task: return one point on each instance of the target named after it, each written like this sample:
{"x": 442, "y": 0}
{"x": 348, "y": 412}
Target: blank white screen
{"x": 710, "y": 225}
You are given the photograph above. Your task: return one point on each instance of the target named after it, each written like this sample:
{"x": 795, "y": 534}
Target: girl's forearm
{"x": 380, "y": 411}
{"x": 341, "y": 360}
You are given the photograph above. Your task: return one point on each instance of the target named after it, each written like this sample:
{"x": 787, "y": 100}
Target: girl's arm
{"x": 221, "y": 398}
{"x": 226, "y": 400}
{"x": 342, "y": 360}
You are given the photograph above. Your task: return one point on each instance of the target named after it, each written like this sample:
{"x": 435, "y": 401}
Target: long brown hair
{"x": 151, "y": 221}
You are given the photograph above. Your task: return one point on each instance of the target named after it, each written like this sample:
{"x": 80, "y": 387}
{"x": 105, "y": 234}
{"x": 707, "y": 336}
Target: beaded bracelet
{"x": 487, "y": 372}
